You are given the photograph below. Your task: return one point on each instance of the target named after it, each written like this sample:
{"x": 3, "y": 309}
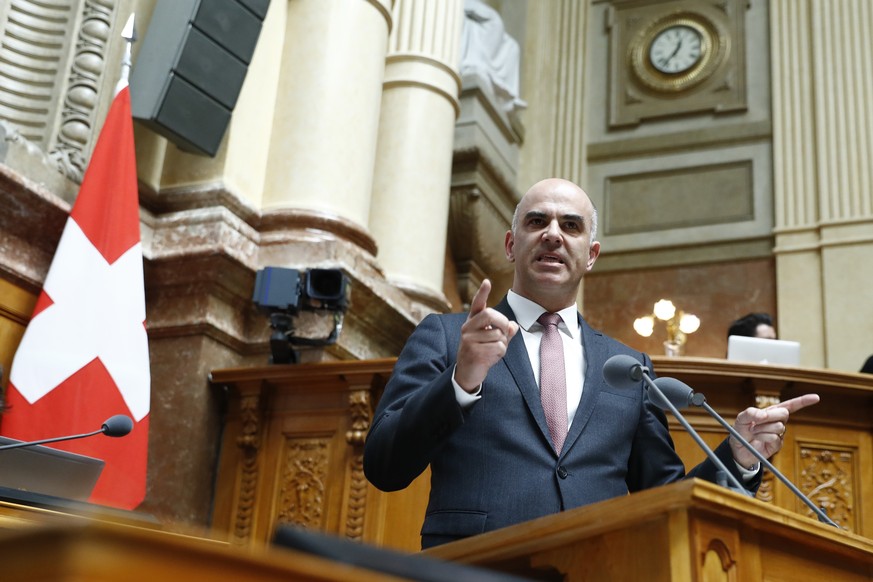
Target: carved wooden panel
{"x": 828, "y": 476}
{"x": 301, "y": 496}
{"x": 300, "y": 434}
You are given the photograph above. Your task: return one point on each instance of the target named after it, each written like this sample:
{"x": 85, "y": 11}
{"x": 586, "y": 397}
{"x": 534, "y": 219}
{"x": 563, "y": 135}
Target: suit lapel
{"x": 518, "y": 362}
{"x": 594, "y": 349}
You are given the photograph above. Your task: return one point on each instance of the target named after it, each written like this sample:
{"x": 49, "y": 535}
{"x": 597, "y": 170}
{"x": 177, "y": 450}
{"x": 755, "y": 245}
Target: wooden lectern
{"x": 692, "y": 530}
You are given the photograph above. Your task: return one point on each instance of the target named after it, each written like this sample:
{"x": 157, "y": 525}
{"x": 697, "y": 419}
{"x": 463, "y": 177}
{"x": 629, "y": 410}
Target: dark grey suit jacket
{"x": 492, "y": 465}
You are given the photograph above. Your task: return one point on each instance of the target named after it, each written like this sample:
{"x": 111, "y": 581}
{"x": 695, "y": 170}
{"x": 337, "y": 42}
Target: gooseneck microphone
{"x": 624, "y": 372}
{"x": 681, "y": 395}
{"x": 114, "y": 426}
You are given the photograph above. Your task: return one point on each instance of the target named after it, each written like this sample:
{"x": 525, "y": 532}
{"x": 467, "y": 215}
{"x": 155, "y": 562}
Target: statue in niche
{"x": 490, "y": 53}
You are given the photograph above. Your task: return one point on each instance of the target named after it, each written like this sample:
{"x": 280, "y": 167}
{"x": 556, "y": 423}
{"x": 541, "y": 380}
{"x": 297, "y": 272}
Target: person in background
{"x": 754, "y": 325}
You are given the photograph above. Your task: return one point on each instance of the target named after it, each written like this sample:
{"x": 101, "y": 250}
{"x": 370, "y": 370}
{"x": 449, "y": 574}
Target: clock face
{"x": 676, "y": 49}
{"x": 676, "y": 52}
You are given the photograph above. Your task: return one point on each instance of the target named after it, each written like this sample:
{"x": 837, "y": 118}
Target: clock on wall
{"x": 674, "y": 57}
{"x": 676, "y": 52}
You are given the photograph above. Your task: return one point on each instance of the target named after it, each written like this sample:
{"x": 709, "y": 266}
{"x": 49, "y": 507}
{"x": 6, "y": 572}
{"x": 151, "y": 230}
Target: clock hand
{"x": 675, "y": 51}
{"x": 663, "y": 62}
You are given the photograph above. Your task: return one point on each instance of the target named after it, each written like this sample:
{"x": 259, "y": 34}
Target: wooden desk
{"x": 692, "y": 530}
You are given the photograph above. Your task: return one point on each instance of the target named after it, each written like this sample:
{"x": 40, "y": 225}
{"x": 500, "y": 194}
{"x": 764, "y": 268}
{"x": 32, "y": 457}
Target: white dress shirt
{"x": 526, "y": 313}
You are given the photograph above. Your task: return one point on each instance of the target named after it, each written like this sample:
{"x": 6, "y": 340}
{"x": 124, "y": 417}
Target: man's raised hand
{"x": 484, "y": 339}
{"x": 765, "y": 428}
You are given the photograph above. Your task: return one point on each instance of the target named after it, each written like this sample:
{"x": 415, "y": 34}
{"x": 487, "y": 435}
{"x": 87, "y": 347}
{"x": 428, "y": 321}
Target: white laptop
{"x": 49, "y": 471}
{"x": 763, "y": 351}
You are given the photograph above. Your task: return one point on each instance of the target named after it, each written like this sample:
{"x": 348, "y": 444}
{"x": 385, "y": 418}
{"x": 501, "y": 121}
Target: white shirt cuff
{"x": 748, "y": 473}
{"x": 464, "y": 398}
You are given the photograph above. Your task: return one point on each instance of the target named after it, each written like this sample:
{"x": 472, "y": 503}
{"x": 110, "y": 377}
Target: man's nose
{"x": 553, "y": 231}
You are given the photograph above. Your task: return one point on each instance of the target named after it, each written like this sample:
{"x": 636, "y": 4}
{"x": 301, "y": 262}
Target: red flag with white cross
{"x": 84, "y": 355}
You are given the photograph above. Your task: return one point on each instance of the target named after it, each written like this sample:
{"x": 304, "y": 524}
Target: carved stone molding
{"x": 35, "y": 40}
{"x": 79, "y": 104}
{"x": 50, "y": 78}
{"x": 479, "y": 217}
{"x": 483, "y": 193}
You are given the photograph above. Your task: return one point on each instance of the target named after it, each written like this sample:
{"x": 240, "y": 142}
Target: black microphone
{"x": 117, "y": 426}
{"x": 114, "y": 426}
{"x": 623, "y": 371}
{"x": 677, "y": 392}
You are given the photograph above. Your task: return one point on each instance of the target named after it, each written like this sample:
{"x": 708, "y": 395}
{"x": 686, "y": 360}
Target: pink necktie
{"x": 553, "y": 379}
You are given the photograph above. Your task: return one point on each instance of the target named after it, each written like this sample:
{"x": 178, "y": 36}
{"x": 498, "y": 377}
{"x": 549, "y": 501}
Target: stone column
{"x": 323, "y": 142}
{"x": 410, "y": 205}
{"x": 823, "y": 140}
{"x": 554, "y": 70}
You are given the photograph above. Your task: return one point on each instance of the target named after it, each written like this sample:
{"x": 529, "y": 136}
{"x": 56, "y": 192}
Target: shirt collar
{"x": 527, "y": 312}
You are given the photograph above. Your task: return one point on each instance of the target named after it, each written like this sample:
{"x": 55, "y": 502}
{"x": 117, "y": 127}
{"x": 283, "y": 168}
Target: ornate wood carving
{"x": 361, "y": 415}
{"x": 827, "y": 477}
{"x": 304, "y": 472}
{"x": 765, "y": 491}
{"x": 248, "y": 442}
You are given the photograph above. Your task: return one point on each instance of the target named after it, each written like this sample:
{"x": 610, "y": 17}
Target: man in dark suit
{"x": 465, "y": 397}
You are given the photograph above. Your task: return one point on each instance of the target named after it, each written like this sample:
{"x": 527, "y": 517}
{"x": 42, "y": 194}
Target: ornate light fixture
{"x": 679, "y": 325}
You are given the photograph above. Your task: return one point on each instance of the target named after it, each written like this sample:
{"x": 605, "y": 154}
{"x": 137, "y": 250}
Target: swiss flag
{"x": 84, "y": 355}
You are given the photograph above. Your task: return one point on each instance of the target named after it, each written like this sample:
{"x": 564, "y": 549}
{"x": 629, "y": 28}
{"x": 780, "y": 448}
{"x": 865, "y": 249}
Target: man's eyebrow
{"x": 540, "y": 214}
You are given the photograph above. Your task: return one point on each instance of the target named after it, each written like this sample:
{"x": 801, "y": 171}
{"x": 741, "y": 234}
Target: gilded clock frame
{"x": 714, "y": 49}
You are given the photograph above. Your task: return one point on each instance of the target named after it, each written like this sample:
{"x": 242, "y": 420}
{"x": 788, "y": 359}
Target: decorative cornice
{"x": 79, "y": 105}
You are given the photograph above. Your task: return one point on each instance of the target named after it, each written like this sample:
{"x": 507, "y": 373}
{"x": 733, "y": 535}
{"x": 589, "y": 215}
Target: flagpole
{"x": 128, "y": 33}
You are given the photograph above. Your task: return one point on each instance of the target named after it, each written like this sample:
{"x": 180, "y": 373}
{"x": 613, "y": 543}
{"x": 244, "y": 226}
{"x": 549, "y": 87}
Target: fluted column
{"x": 553, "y": 86}
{"x": 409, "y": 213}
{"x": 325, "y": 124}
{"x": 822, "y": 64}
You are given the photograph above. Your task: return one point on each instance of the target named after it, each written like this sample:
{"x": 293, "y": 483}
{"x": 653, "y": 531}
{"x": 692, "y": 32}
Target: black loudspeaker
{"x": 191, "y": 67}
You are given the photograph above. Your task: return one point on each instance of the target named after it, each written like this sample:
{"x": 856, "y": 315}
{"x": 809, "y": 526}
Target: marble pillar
{"x": 323, "y": 141}
{"x": 410, "y": 205}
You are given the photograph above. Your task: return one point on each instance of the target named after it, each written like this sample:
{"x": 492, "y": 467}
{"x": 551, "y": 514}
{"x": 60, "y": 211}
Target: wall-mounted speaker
{"x": 191, "y": 67}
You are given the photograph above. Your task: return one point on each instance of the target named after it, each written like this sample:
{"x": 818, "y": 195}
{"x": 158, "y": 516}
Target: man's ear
{"x": 508, "y": 245}
{"x": 593, "y": 253}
